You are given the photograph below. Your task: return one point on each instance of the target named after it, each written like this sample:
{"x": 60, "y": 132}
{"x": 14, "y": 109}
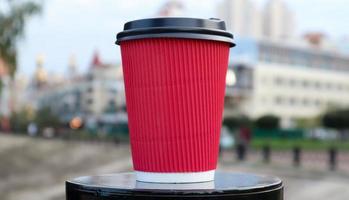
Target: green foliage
{"x": 231, "y": 122}
{"x": 19, "y": 120}
{"x": 268, "y": 122}
{"x": 12, "y": 22}
{"x": 46, "y": 118}
{"x": 338, "y": 119}
{"x": 234, "y": 122}
{"x": 308, "y": 122}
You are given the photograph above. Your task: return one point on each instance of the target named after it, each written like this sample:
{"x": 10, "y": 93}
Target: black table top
{"x": 225, "y": 186}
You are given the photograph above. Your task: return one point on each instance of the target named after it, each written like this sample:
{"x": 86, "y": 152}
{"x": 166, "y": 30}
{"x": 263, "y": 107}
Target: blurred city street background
{"x": 62, "y": 102}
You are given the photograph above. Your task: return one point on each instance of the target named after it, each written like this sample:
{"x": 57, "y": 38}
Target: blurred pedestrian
{"x": 243, "y": 141}
{"x": 5, "y": 125}
{"x": 32, "y": 129}
{"x": 245, "y": 135}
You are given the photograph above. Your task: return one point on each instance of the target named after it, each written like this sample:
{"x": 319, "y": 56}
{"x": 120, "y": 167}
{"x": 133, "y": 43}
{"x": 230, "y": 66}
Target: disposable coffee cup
{"x": 174, "y": 73}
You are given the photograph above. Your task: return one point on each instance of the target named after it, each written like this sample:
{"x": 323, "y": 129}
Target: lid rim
{"x": 179, "y": 35}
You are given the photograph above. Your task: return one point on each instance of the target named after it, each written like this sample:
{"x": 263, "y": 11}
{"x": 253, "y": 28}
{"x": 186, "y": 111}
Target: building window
{"x": 112, "y": 102}
{"x": 329, "y": 85}
{"x": 292, "y": 101}
{"x": 90, "y": 90}
{"x": 113, "y": 91}
{"x": 89, "y": 101}
{"x": 292, "y": 82}
{"x": 278, "y": 81}
{"x": 305, "y": 102}
{"x": 279, "y": 100}
{"x": 90, "y": 77}
{"x": 305, "y": 83}
{"x": 317, "y": 102}
{"x": 317, "y": 85}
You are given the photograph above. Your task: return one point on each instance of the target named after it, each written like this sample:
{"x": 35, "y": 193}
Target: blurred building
{"x": 96, "y": 97}
{"x": 241, "y": 17}
{"x": 28, "y": 89}
{"x": 72, "y": 68}
{"x": 5, "y": 103}
{"x": 245, "y": 19}
{"x": 319, "y": 40}
{"x": 291, "y": 80}
{"x": 40, "y": 74}
{"x": 5, "y": 95}
{"x": 278, "y": 20}
{"x": 20, "y": 86}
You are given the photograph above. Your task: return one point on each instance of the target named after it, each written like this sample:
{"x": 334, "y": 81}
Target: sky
{"x": 79, "y": 28}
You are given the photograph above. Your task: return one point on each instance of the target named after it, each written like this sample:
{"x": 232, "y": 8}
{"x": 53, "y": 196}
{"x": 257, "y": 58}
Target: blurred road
{"x": 300, "y": 183}
{"x": 34, "y": 168}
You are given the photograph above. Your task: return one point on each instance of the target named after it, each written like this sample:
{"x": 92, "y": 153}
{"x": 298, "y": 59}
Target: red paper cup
{"x": 175, "y": 84}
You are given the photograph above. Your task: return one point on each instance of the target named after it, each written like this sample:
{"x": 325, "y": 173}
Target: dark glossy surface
{"x": 226, "y": 186}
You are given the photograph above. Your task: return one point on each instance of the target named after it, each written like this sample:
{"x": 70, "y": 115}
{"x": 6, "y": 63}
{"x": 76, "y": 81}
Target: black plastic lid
{"x": 174, "y": 27}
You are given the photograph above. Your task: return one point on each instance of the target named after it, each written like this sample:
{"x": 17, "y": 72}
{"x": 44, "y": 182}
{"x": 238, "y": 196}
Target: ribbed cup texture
{"x": 174, "y": 95}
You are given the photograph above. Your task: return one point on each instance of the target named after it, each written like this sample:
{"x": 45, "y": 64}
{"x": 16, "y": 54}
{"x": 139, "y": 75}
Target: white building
{"x": 288, "y": 80}
{"x": 241, "y": 17}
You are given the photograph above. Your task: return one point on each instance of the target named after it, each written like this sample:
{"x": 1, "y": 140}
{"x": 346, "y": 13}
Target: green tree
{"x": 337, "y": 119}
{"x": 233, "y": 122}
{"x": 19, "y": 120}
{"x": 46, "y": 118}
{"x": 268, "y": 122}
{"x": 13, "y": 16}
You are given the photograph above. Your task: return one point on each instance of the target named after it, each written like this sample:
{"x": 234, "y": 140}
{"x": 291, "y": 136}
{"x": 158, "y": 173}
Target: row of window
{"x": 275, "y": 54}
{"x": 296, "y": 101}
{"x": 110, "y": 90}
{"x": 307, "y": 84}
{"x": 306, "y": 102}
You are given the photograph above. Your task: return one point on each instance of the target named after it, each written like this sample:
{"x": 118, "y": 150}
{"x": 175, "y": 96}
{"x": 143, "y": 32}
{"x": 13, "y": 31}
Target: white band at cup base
{"x": 190, "y": 177}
